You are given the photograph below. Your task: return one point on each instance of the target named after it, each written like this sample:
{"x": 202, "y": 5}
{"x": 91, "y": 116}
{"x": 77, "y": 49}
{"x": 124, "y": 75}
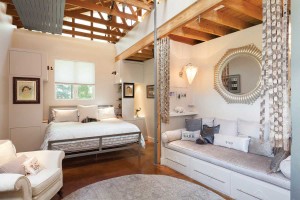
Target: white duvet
{"x": 71, "y": 130}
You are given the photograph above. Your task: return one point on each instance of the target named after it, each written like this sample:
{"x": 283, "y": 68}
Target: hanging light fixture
{"x": 190, "y": 72}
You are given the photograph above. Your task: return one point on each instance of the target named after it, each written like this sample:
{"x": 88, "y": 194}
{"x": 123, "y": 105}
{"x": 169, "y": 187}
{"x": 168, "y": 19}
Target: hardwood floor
{"x": 82, "y": 171}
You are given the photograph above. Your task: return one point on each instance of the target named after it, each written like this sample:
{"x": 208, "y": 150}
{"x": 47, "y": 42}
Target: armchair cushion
{"x": 44, "y": 180}
{"x": 7, "y": 151}
{"x": 14, "y": 166}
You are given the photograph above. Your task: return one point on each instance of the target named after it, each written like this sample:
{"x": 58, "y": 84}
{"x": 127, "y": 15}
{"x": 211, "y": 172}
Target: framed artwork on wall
{"x": 128, "y": 90}
{"x": 26, "y": 90}
{"x": 150, "y": 91}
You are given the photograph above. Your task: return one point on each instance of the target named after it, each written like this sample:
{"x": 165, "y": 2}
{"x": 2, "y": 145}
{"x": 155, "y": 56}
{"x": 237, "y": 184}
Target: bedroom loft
{"x": 107, "y": 117}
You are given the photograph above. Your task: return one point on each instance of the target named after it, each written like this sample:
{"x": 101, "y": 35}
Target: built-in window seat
{"x": 235, "y": 173}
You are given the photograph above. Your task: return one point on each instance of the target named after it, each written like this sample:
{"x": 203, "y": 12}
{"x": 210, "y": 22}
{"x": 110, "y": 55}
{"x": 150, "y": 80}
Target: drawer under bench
{"x": 228, "y": 182}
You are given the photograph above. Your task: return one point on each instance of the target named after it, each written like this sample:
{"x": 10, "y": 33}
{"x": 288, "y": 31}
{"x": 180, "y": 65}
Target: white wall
{"x": 6, "y": 31}
{"x": 59, "y": 47}
{"x": 149, "y": 103}
{"x": 180, "y": 55}
{"x": 206, "y": 55}
{"x": 165, "y": 11}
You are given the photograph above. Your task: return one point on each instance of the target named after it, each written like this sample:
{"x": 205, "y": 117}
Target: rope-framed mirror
{"x": 237, "y": 75}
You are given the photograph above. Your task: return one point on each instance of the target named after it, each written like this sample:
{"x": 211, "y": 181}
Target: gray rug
{"x": 143, "y": 187}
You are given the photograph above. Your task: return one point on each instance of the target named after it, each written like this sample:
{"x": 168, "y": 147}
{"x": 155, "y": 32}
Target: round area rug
{"x": 143, "y": 187}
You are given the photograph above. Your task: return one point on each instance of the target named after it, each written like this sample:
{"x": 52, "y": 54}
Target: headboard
{"x": 50, "y": 116}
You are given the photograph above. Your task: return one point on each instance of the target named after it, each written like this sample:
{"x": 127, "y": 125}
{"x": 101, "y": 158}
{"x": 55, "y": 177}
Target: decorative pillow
{"x": 208, "y": 133}
{"x": 200, "y": 140}
{"x": 285, "y": 167}
{"x": 190, "y": 135}
{"x": 227, "y": 127}
{"x": 32, "y": 166}
{"x": 106, "y": 113}
{"x": 173, "y": 135}
{"x": 14, "y": 166}
{"x": 193, "y": 124}
{"x": 209, "y": 121}
{"x": 65, "y": 115}
{"x": 232, "y": 142}
{"x": 258, "y": 148}
{"x": 7, "y": 151}
{"x": 87, "y": 111}
{"x": 248, "y": 128}
{"x": 87, "y": 120}
{"x": 280, "y": 156}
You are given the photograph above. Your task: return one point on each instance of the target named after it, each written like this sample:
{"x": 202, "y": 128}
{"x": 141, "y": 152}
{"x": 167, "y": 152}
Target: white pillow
{"x": 32, "y": 166}
{"x": 190, "y": 135}
{"x": 172, "y": 135}
{"x": 87, "y": 111}
{"x": 7, "y": 151}
{"x": 232, "y": 142}
{"x": 248, "y": 128}
{"x": 106, "y": 113}
{"x": 227, "y": 127}
{"x": 285, "y": 167}
{"x": 65, "y": 115}
{"x": 209, "y": 121}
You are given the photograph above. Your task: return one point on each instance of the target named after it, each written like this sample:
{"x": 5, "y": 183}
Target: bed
{"x": 80, "y": 139}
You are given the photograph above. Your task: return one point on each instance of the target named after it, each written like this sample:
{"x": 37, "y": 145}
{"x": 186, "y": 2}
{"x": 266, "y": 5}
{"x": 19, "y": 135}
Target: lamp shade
{"x": 191, "y": 72}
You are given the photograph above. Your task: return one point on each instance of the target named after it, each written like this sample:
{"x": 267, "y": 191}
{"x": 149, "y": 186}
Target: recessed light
{"x": 219, "y": 7}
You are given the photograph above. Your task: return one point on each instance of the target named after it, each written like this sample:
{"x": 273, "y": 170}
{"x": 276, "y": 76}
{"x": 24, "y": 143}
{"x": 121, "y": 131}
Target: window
{"x": 74, "y": 80}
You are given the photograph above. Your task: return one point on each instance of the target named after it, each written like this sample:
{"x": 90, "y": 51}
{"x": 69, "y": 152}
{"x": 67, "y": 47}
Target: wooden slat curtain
{"x": 275, "y": 104}
{"x": 163, "y": 64}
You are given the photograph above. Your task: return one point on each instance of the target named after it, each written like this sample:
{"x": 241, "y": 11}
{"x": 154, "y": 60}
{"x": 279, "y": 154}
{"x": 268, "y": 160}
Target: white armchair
{"x": 42, "y": 186}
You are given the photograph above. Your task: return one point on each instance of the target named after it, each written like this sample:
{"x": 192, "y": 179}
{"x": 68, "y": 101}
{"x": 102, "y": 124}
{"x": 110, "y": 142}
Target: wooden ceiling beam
{"x": 192, "y": 34}
{"x": 182, "y": 18}
{"x": 99, "y": 30}
{"x": 97, "y": 20}
{"x": 244, "y": 7}
{"x": 225, "y": 19}
{"x": 136, "y": 58}
{"x": 183, "y": 40}
{"x": 89, "y": 35}
{"x": 136, "y": 3}
{"x": 99, "y": 8}
{"x": 208, "y": 27}
{"x": 141, "y": 55}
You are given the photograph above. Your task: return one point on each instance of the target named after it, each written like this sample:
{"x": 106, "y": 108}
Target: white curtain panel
{"x": 163, "y": 64}
{"x": 275, "y": 104}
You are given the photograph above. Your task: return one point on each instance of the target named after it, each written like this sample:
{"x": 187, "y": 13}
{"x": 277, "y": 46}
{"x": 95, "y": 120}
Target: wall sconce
{"x": 114, "y": 73}
{"x": 190, "y": 71}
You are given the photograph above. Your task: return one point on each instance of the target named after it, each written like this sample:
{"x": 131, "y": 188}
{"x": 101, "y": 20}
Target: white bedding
{"x": 71, "y": 130}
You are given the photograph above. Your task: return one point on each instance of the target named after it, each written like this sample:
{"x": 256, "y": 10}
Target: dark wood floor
{"x": 82, "y": 171}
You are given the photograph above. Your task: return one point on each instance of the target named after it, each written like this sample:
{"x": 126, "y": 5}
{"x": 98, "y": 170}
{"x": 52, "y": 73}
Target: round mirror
{"x": 238, "y": 75}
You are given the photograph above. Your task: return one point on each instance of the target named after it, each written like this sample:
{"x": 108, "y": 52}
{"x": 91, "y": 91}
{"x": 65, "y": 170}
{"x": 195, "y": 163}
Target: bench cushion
{"x": 247, "y": 164}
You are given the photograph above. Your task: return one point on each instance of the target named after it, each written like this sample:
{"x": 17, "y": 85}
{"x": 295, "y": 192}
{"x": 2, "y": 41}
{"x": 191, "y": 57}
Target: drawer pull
{"x": 209, "y": 176}
{"x": 248, "y": 194}
{"x": 176, "y": 162}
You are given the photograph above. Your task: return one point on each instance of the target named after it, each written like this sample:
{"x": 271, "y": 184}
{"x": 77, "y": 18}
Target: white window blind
{"x": 74, "y": 72}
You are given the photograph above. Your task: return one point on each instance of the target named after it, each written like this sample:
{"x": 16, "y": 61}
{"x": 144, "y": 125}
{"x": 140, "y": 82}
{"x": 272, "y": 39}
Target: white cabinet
{"x": 25, "y": 119}
{"x": 139, "y": 122}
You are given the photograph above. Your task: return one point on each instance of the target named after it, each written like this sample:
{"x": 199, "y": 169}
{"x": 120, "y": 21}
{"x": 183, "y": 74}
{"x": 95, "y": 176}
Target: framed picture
{"x": 26, "y": 90}
{"x": 150, "y": 91}
{"x": 128, "y": 90}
